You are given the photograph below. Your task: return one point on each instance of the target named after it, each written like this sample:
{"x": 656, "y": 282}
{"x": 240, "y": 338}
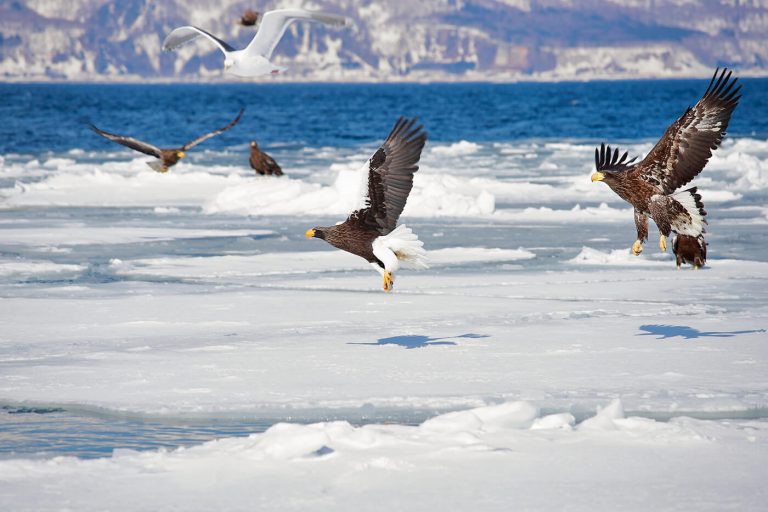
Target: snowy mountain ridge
{"x": 111, "y": 40}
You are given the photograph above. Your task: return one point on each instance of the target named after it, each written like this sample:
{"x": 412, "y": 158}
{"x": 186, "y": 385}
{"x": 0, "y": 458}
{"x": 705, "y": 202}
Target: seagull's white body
{"x": 253, "y": 60}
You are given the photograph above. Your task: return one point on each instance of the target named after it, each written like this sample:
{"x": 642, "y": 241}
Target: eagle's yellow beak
{"x": 181, "y": 154}
{"x": 310, "y": 233}
{"x": 598, "y": 176}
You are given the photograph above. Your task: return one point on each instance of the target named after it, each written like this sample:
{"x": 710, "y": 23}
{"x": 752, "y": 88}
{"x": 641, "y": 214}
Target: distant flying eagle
{"x": 678, "y": 157}
{"x": 690, "y": 249}
{"x": 253, "y": 60}
{"x": 249, "y": 18}
{"x": 168, "y": 157}
{"x": 262, "y": 163}
{"x": 372, "y": 232}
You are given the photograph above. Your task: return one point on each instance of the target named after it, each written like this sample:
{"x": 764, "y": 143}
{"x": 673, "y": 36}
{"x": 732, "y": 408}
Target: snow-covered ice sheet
{"x": 488, "y": 458}
{"x": 195, "y": 294}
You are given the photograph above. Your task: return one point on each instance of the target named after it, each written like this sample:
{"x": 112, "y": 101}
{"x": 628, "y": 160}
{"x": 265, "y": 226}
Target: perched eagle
{"x": 249, "y": 18}
{"x": 167, "y": 157}
{"x": 372, "y": 231}
{"x": 690, "y": 249}
{"x": 676, "y": 159}
{"x": 262, "y": 163}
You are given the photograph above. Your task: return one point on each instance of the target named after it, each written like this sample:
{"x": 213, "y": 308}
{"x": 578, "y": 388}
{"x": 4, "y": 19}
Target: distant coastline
{"x": 411, "y": 78}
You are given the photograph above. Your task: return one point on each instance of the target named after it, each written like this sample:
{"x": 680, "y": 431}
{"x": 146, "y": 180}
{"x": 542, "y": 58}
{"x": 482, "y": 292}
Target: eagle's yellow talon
{"x": 389, "y": 283}
{"x": 663, "y": 243}
{"x": 637, "y": 247}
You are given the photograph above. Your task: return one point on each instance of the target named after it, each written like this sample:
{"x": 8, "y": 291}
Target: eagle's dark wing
{"x": 607, "y": 161}
{"x": 688, "y": 143}
{"x": 390, "y": 176}
{"x": 130, "y": 142}
{"x": 207, "y": 136}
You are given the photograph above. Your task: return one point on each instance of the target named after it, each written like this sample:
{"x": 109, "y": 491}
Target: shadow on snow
{"x": 688, "y": 333}
{"x": 418, "y": 341}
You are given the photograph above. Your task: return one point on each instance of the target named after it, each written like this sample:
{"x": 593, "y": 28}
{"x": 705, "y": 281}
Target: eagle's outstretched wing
{"x": 130, "y": 142}
{"x": 607, "y": 161}
{"x": 390, "y": 176}
{"x": 687, "y": 144}
{"x": 213, "y": 133}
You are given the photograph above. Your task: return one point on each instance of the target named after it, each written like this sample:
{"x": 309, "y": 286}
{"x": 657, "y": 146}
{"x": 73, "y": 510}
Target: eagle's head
{"x": 606, "y": 176}
{"x": 609, "y": 166}
{"x": 254, "y": 145}
{"x": 315, "y": 233}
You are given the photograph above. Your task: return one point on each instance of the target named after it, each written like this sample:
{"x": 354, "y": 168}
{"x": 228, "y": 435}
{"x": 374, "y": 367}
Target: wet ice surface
{"x": 142, "y": 311}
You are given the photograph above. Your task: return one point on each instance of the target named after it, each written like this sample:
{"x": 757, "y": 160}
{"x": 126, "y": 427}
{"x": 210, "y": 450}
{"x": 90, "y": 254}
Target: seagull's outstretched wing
{"x": 213, "y": 133}
{"x": 182, "y": 35}
{"x": 147, "y": 149}
{"x": 274, "y": 23}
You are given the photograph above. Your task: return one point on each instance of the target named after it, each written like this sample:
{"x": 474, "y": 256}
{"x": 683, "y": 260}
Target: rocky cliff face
{"x": 391, "y": 40}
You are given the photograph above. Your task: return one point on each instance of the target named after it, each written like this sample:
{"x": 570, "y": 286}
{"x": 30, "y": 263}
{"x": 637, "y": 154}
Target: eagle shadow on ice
{"x": 689, "y": 333}
{"x": 418, "y": 341}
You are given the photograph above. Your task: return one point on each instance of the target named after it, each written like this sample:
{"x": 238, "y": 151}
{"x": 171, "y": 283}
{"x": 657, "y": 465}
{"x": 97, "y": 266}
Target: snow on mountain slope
{"x": 396, "y": 40}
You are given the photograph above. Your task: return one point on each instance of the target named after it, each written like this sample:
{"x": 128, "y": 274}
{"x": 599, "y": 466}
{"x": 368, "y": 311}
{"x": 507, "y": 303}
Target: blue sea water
{"x": 37, "y": 118}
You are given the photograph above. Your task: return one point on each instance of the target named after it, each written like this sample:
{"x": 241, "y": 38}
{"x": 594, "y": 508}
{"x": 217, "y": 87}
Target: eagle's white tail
{"x": 404, "y": 245}
{"x": 157, "y": 165}
{"x": 691, "y": 200}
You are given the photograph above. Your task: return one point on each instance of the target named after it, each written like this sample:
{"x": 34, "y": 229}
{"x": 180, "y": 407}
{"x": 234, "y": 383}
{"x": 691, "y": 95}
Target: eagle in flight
{"x": 372, "y": 232}
{"x": 680, "y": 155}
{"x": 166, "y": 158}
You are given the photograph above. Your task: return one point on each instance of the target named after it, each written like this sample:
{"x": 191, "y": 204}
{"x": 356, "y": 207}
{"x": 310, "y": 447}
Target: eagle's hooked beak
{"x": 310, "y": 233}
{"x": 181, "y": 154}
{"x": 598, "y": 176}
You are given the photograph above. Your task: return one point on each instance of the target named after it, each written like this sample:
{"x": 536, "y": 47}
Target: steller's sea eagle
{"x": 677, "y": 158}
{"x": 168, "y": 157}
{"x": 262, "y": 163}
{"x": 372, "y": 231}
{"x": 690, "y": 249}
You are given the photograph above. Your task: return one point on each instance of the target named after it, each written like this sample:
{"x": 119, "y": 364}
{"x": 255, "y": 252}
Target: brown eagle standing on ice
{"x": 677, "y": 158}
{"x": 690, "y": 249}
{"x": 372, "y": 231}
{"x": 262, "y": 163}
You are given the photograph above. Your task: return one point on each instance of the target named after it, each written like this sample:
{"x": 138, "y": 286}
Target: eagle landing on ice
{"x": 681, "y": 154}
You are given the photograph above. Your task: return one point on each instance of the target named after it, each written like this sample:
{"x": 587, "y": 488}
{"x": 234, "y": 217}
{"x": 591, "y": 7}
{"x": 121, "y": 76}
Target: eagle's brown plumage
{"x": 249, "y": 18}
{"x": 262, "y": 163}
{"x": 390, "y": 179}
{"x": 677, "y": 158}
{"x": 690, "y": 249}
{"x": 167, "y": 157}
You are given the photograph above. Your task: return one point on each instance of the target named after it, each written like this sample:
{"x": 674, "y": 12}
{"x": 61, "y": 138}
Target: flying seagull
{"x": 690, "y": 249}
{"x": 680, "y": 155}
{"x": 372, "y": 231}
{"x": 253, "y": 60}
{"x": 262, "y": 163}
{"x": 167, "y": 157}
